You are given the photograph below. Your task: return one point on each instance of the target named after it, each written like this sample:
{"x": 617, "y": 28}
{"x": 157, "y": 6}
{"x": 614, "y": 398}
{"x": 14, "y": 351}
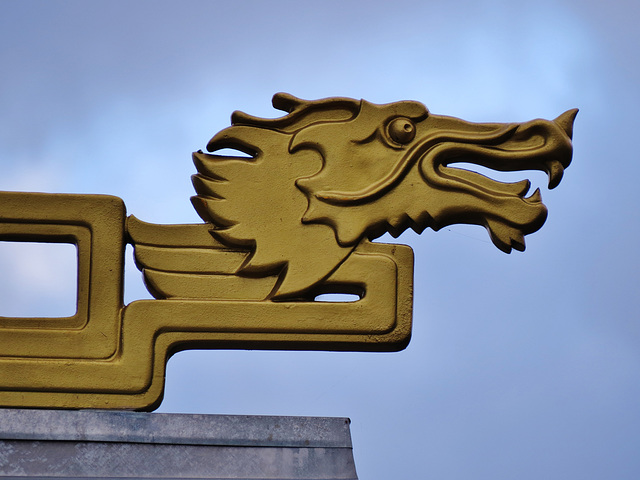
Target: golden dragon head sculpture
{"x": 331, "y": 173}
{"x": 288, "y": 220}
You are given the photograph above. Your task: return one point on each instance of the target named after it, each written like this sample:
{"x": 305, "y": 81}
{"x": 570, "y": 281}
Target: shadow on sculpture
{"x": 291, "y": 217}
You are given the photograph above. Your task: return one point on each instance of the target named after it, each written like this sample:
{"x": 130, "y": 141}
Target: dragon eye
{"x": 402, "y": 130}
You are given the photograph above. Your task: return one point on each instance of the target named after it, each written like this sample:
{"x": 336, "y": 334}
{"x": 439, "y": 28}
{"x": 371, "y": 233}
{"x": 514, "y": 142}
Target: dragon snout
{"x": 503, "y": 208}
{"x": 544, "y": 145}
{"x": 565, "y": 121}
{"x": 561, "y": 150}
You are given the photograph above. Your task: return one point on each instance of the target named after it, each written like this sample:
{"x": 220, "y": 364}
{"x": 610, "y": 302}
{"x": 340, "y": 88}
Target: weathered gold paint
{"x": 290, "y": 221}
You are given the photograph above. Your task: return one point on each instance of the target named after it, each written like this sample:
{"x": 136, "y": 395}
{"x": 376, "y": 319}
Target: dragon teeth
{"x": 536, "y": 197}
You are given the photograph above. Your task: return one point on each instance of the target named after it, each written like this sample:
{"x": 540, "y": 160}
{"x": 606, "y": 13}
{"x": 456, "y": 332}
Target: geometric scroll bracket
{"x": 109, "y": 355}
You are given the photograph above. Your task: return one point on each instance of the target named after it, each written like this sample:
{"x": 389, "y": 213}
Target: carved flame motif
{"x": 334, "y": 172}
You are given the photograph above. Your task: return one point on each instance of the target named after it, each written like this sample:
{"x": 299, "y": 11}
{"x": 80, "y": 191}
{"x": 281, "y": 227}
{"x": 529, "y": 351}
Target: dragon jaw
{"x": 422, "y": 189}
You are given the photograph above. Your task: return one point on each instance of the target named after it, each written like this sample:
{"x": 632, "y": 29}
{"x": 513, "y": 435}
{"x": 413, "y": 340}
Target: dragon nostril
{"x": 402, "y": 130}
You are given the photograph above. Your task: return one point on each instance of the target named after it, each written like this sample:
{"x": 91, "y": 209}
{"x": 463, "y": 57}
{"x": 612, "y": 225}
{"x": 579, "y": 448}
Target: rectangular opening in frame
{"x": 40, "y": 280}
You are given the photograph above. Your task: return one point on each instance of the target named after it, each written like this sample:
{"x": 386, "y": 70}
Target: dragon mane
{"x": 254, "y": 202}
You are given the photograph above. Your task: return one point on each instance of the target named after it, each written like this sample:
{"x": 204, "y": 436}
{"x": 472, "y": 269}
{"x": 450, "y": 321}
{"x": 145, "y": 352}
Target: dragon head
{"x": 333, "y": 172}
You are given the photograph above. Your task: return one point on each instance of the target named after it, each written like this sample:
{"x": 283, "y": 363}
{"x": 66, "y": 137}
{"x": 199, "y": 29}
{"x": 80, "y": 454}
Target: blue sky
{"x": 521, "y": 366}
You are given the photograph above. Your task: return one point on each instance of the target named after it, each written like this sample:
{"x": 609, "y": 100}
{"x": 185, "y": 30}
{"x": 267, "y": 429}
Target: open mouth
{"x": 507, "y": 209}
{"x": 537, "y": 145}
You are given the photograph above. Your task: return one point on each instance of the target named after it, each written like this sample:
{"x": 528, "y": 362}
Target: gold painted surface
{"x": 288, "y": 219}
